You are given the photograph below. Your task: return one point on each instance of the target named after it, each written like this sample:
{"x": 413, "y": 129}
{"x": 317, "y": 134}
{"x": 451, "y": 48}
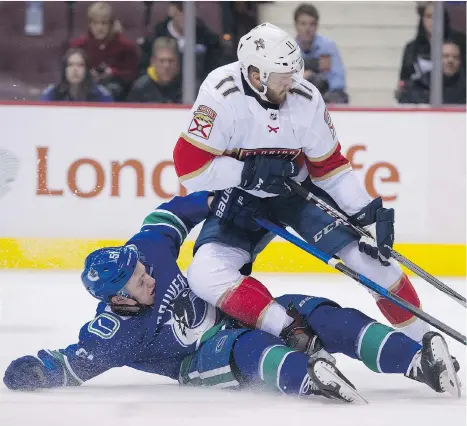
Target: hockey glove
{"x": 379, "y": 222}
{"x": 267, "y": 174}
{"x": 26, "y": 373}
{"x": 29, "y": 373}
{"x": 299, "y": 335}
{"x": 238, "y": 207}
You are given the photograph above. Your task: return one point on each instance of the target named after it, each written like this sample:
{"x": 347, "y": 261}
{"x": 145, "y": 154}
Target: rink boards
{"x": 82, "y": 177}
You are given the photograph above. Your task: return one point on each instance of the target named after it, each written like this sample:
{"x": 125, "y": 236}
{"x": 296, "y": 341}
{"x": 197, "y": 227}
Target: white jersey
{"x": 229, "y": 123}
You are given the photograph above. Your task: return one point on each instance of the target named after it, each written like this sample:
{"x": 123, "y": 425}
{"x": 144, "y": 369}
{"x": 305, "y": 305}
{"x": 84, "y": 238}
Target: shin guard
{"x": 247, "y": 301}
{"x": 397, "y": 316}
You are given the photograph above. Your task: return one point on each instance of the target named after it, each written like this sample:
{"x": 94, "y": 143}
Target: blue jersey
{"x": 155, "y": 340}
{"x": 159, "y": 242}
{"x": 110, "y": 340}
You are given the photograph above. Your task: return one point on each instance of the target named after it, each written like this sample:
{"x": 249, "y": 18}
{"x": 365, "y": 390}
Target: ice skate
{"x": 328, "y": 381}
{"x": 434, "y": 366}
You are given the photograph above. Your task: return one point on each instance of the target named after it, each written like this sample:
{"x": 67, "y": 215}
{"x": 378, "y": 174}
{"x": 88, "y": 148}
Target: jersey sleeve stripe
{"x": 331, "y": 173}
{"x": 323, "y": 157}
{"x": 320, "y": 170}
{"x": 147, "y": 227}
{"x": 180, "y": 221}
{"x": 190, "y": 160}
{"x": 70, "y": 370}
{"x": 195, "y": 173}
{"x": 201, "y": 145}
{"x": 74, "y": 380}
{"x": 164, "y": 217}
{"x": 59, "y": 359}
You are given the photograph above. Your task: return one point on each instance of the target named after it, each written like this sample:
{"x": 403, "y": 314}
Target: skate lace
{"x": 415, "y": 365}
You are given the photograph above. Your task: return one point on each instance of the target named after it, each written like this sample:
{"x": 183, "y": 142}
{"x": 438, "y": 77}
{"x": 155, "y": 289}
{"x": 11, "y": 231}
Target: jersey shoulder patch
{"x": 104, "y": 325}
{"x": 202, "y": 121}
{"x": 215, "y": 103}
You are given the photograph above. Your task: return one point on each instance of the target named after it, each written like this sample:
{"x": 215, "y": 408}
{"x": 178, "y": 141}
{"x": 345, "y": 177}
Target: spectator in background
{"x": 208, "y": 48}
{"x": 238, "y": 18}
{"x": 417, "y": 91}
{"x": 323, "y": 64}
{"x": 76, "y": 83}
{"x": 161, "y": 83}
{"x": 454, "y": 87}
{"x": 113, "y": 58}
{"x": 416, "y": 60}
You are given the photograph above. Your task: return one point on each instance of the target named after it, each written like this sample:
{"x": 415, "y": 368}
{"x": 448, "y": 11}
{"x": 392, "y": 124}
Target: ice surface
{"x": 45, "y": 310}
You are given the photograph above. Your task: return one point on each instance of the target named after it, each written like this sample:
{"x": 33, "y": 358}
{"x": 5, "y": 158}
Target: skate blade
{"x": 448, "y": 379}
{"x": 334, "y": 382}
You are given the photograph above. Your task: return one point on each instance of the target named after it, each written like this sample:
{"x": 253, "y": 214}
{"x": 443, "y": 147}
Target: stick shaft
{"x": 309, "y": 196}
{"x": 366, "y": 282}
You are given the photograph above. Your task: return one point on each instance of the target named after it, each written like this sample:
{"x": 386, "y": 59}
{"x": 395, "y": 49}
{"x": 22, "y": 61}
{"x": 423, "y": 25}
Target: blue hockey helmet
{"x": 107, "y": 270}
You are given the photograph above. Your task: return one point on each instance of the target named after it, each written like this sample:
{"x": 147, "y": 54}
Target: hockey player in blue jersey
{"x": 148, "y": 319}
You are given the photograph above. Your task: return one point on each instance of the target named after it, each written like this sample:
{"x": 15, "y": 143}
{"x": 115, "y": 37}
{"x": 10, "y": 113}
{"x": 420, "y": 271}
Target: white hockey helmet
{"x": 271, "y": 50}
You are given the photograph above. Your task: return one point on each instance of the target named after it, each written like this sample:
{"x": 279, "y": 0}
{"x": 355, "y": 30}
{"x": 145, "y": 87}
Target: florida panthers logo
{"x": 191, "y": 318}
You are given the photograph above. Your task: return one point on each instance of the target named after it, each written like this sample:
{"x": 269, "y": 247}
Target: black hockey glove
{"x": 379, "y": 222}
{"x": 238, "y": 207}
{"x": 267, "y": 174}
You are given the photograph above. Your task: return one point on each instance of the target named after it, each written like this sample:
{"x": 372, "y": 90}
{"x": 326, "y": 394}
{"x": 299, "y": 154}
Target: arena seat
{"x": 31, "y": 63}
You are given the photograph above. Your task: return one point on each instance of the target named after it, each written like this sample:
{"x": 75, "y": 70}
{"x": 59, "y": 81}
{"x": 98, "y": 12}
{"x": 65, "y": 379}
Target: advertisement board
{"x": 81, "y": 177}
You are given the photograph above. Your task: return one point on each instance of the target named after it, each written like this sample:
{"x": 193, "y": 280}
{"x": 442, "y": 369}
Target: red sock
{"x": 397, "y": 316}
{"x": 247, "y": 301}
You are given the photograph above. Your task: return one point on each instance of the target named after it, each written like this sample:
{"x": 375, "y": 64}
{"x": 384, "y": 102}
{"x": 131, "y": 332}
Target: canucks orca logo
{"x": 93, "y": 275}
{"x": 191, "y": 318}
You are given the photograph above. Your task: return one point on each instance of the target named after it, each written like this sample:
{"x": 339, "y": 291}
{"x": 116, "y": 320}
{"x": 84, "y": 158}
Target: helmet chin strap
{"x": 126, "y": 310}
{"x": 262, "y": 94}
{"x": 129, "y": 310}
{"x": 296, "y": 79}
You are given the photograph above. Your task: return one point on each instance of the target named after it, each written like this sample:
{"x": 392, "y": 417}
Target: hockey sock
{"x": 385, "y": 350}
{"x": 261, "y": 357}
{"x": 338, "y": 328}
{"x": 251, "y": 303}
{"x": 397, "y": 316}
{"x": 351, "y": 332}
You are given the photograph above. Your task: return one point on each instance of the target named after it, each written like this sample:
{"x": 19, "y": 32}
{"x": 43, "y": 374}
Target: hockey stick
{"x": 366, "y": 282}
{"x": 309, "y": 196}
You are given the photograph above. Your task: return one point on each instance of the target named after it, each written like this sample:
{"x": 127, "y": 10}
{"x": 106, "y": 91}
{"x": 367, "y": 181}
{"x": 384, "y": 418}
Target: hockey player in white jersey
{"x": 255, "y": 123}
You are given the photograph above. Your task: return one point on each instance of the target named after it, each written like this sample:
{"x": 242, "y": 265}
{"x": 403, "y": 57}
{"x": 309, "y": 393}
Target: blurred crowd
{"x": 104, "y": 64}
{"x": 415, "y": 72}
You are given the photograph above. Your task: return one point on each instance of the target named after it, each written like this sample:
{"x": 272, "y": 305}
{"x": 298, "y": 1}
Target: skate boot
{"x": 299, "y": 336}
{"x": 434, "y": 366}
{"x": 328, "y": 381}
